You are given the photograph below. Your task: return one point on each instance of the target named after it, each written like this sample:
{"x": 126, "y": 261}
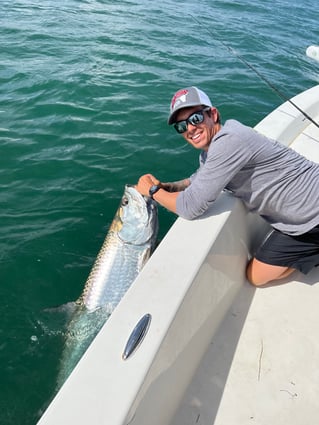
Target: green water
{"x": 84, "y": 94}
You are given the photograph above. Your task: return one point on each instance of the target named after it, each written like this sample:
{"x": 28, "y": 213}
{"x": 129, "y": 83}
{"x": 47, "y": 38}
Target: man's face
{"x": 199, "y": 135}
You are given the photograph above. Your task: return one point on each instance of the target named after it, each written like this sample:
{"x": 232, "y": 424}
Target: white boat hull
{"x": 217, "y": 350}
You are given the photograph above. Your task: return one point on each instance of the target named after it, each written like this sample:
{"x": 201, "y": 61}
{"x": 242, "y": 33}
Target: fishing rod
{"x": 252, "y": 68}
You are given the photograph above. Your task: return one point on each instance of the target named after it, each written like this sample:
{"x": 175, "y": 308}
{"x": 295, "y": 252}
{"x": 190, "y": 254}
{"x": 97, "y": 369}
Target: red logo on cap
{"x": 177, "y": 95}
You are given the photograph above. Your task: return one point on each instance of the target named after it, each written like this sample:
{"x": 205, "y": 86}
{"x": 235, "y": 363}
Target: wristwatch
{"x": 153, "y": 189}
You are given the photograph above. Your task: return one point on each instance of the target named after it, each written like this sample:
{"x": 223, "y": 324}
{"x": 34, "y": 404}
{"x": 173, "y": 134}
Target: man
{"x": 272, "y": 180}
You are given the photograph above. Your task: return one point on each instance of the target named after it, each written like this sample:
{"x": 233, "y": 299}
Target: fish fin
{"x": 66, "y": 309}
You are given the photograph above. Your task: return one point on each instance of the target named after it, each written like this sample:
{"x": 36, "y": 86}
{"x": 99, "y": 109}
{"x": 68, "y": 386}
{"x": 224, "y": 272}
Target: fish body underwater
{"x": 128, "y": 245}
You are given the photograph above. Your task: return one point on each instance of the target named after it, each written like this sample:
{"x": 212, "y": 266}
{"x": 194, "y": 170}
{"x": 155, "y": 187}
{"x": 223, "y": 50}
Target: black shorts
{"x": 298, "y": 252}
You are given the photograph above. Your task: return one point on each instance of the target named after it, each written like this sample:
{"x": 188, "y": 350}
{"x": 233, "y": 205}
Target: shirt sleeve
{"x": 227, "y": 154}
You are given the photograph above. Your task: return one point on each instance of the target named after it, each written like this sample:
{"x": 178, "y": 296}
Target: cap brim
{"x": 172, "y": 118}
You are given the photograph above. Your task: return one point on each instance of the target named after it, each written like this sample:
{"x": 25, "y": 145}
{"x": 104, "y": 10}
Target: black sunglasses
{"x": 194, "y": 119}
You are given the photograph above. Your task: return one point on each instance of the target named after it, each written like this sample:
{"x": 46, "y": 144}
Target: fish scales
{"x": 115, "y": 268}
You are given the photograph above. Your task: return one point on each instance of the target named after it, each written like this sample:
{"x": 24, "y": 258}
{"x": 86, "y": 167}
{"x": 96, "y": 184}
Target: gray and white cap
{"x": 184, "y": 98}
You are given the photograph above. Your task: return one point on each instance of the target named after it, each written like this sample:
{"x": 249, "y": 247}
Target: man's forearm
{"x": 166, "y": 199}
{"x": 177, "y": 186}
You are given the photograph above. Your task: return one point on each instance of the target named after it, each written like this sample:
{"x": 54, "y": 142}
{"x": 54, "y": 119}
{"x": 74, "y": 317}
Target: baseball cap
{"x": 184, "y": 98}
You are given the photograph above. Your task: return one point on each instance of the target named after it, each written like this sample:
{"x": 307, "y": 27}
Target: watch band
{"x": 153, "y": 189}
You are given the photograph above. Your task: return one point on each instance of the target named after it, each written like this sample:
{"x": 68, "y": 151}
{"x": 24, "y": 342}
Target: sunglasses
{"x": 194, "y": 119}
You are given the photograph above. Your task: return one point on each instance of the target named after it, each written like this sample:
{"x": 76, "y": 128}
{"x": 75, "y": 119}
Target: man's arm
{"x": 167, "y": 195}
{"x": 177, "y": 186}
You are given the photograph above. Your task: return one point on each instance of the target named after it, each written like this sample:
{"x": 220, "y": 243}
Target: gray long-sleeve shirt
{"x": 272, "y": 180}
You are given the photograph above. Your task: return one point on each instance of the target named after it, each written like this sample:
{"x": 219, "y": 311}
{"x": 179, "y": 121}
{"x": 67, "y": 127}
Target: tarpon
{"x": 128, "y": 245}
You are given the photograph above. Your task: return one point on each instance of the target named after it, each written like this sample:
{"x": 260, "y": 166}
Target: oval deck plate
{"x": 137, "y": 336}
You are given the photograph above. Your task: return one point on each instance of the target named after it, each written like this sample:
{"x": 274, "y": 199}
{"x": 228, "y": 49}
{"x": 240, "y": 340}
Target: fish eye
{"x": 124, "y": 201}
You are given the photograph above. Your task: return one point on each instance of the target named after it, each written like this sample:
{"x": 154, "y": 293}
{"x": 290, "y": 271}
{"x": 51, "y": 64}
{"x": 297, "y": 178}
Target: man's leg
{"x": 259, "y": 273}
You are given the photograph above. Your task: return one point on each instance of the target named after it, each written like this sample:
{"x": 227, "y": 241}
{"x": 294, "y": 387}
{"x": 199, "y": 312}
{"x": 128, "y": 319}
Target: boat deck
{"x": 261, "y": 367}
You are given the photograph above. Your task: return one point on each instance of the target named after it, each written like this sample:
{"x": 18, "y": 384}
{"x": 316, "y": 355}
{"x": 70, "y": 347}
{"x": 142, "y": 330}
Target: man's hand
{"x": 145, "y": 182}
